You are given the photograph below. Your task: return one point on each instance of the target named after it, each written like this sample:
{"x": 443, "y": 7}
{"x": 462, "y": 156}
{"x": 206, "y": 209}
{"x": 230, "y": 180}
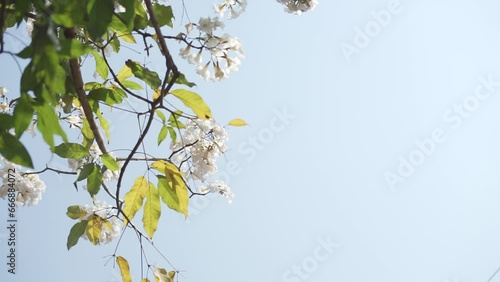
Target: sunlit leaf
{"x": 162, "y": 275}
{"x": 163, "y": 134}
{"x": 172, "y": 188}
{"x": 124, "y": 269}
{"x": 71, "y": 151}
{"x": 237, "y": 122}
{"x": 94, "y": 228}
{"x": 100, "y": 65}
{"x": 124, "y": 73}
{"x": 76, "y": 212}
{"x": 135, "y": 197}
{"x": 110, "y": 162}
{"x": 131, "y": 84}
{"x": 150, "y": 77}
{"x": 164, "y": 14}
{"x": 152, "y": 210}
{"x": 194, "y": 102}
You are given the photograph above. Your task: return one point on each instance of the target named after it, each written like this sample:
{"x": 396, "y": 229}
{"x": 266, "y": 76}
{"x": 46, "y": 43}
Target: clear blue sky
{"x": 410, "y": 96}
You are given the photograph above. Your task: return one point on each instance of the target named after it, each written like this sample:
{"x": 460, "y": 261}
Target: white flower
{"x": 218, "y": 187}
{"x": 203, "y": 142}
{"x": 29, "y": 26}
{"x": 28, "y": 187}
{"x": 74, "y": 121}
{"x": 94, "y": 152}
{"x": 235, "y": 8}
{"x": 3, "y": 91}
{"x": 298, "y": 6}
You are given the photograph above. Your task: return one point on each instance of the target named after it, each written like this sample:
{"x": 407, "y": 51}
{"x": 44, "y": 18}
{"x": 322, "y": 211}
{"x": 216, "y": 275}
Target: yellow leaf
{"x": 175, "y": 180}
{"x": 194, "y": 102}
{"x": 135, "y": 197}
{"x": 160, "y": 166}
{"x": 127, "y": 37}
{"x": 94, "y": 229}
{"x": 152, "y": 211}
{"x": 161, "y": 275}
{"x": 156, "y": 94}
{"x": 237, "y": 122}
{"x": 124, "y": 269}
{"x": 124, "y": 73}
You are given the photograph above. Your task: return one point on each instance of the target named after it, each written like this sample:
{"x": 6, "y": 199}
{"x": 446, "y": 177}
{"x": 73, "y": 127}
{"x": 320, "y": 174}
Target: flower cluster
{"x": 104, "y": 211}
{"x": 225, "y": 51}
{"x": 298, "y": 6}
{"x": 196, "y": 153}
{"x": 29, "y": 187}
{"x": 235, "y": 8}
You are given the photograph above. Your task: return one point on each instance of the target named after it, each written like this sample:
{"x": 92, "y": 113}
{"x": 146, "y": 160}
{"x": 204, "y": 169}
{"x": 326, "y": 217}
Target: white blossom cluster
{"x": 225, "y": 51}
{"x": 298, "y": 6}
{"x": 234, "y": 7}
{"x": 196, "y": 153}
{"x": 104, "y": 211}
{"x": 28, "y": 187}
{"x": 94, "y": 155}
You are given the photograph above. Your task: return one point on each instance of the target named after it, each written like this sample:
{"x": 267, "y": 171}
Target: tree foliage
{"x": 67, "y": 36}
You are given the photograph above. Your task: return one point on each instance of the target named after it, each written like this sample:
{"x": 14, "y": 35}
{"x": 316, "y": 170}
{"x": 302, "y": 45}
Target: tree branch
{"x": 82, "y": 96}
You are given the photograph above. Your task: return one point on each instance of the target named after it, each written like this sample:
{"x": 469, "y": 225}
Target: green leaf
{"x": 110, "y": 162}
{"x": 163, "y": 134}
{"x": 152, "y": 211}
{"x": 150, "y": 77}
{"x": 124, "y": 269}
{"x": 86, "y": 170}
{"x": 75, "y": 233}
{"x": 68, "y": 13}
{"x": 100, "y": 16}
{"x": 141, "y": 17}
{"x": 94, "y": 181}
{"x": 76, "y": 212}
{"x": 23, "y": 114}
{"x": 129, "y": 14}
{"x": 194, "y": 102}
{"x": 172, "y": 188}
{"x": 94, "y": 228}
{"x": 48, "y": 124}
{"x": 6, "y": 121}
{"x": 72, "y": 48}
{"x": 164, "y": 14}
{"x": 13, "y": 150}
{"x": 173, "y": 134}
{"x": 131, "y": 85}
{"x": 92, "y": 85}
{"x": 135, "y": 197}
{"x": 237, "y": 122}
{"x": 86, "y": 130}
{"x": 104, "y": 124}
{"x": 108, "y": 96}
{"x": 100, "y": 65}
{"x": 161, "y": 115}
{"x": 71, "y": 151}
{"x": 181, "y": 79}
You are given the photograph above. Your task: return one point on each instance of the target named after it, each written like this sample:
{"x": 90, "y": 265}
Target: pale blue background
{"x": 323, "y": 175}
